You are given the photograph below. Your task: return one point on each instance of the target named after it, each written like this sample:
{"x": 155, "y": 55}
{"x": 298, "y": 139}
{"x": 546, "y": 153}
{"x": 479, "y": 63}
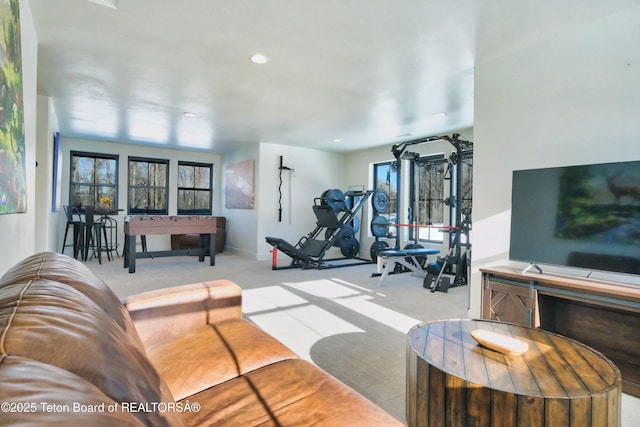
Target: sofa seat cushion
{"x": 291, "y": 392}
{"x": 179, "y": 310}
{"x": 41, "y": 394}
{"x": 213, "y": 354}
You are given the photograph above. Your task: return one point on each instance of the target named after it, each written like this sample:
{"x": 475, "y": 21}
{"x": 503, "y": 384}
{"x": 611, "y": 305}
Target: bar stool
{"x": 77, "y": 225}
{"x": 110, "y": 243}
{"x": 93, "y": 233}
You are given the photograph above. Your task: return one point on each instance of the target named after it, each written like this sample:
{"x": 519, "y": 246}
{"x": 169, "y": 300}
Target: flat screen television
{"x": 585, "y": 216}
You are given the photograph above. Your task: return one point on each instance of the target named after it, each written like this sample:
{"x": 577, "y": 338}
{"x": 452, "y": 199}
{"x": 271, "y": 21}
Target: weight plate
{"x": 429, "y": 281}
{"x": 348, "y": 202}
{"x": 345, "y": 236}
{"x": 421, "y": 259}
{"x": 335, "y": 199}
{"x": 376, "y": 247}
{"x": 380, "y": 200}
{"x": 355, "y": 223}
{"x": 351, "y": 251}
{"x": 412, "y": 246}
{"x": 380, "y": 226}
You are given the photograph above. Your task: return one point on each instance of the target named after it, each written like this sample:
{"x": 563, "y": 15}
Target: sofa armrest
{"x": 178, "y": 310}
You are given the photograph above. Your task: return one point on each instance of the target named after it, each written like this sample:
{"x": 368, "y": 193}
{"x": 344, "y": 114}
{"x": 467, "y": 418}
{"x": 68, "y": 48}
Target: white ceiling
{"x": 365, "y": 72}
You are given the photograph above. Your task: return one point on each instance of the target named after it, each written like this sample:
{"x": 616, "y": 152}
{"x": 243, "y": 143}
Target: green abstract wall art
{"x": 13, "y": 188}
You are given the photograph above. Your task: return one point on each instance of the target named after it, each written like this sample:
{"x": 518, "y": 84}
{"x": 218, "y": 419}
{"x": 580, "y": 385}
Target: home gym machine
{"x": 336, "y": 226}
{"x": 456, "y": 261}
{"x": 392, "y": 260}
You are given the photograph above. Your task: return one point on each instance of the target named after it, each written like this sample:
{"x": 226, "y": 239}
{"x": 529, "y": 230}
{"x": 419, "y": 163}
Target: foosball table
{"x": 145, "y": 225}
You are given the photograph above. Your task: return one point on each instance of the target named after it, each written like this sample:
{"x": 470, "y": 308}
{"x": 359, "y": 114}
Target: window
{"x": 385, "y": 176}
{"x": 93, "y": 177}
{"x": 148, "y": 186}
{"x": 194, "y": 188}
{"x": 427, "y": 178}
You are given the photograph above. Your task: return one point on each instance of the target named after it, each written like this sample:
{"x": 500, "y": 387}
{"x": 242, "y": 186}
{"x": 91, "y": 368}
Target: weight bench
{"x": 388, "y": 258}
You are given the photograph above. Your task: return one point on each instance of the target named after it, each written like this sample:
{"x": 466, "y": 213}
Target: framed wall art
{"x": 239, "y": 185}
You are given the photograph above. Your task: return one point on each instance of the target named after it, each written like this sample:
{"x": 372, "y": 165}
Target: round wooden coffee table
{"x": 453, "y": 381}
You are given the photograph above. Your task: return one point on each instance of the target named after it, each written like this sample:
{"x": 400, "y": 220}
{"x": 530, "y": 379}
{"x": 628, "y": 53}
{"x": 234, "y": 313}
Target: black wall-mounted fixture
{"x": 281, "y": 168}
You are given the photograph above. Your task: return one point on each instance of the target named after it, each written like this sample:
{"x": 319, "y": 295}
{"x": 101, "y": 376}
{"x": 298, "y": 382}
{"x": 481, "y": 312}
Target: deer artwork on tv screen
{"x": 600, "y": 203}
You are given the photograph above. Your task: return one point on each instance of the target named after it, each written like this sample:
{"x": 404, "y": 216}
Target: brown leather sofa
{"x": 192, "y": 241}
{"x": 72, "y": 353}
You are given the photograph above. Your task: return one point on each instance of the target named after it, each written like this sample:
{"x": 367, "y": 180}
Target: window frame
{"x": 94, "y": 186}
{"x": 391, "y": 180}
{"x": 209, "y": 190}
{"x": 147, "y": 211}
{"x": 433, "y": 235}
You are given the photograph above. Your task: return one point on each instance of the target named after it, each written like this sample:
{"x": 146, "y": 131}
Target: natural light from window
{"x": 299, "y": 324}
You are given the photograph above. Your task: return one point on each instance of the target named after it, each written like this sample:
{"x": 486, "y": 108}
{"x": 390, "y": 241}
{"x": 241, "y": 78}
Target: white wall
{"x": 124, "y": 151}
{"x": 242, "y": 224}
{"x": 572, "y": 99}
{"x": 17, "y": 231}
{"x": 314, "y": 172}
{"x": 46, "y": 220}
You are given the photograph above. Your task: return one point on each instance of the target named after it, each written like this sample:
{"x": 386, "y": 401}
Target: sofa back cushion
{"x": 54, "y": 312}
{"x": 59, "y": 268}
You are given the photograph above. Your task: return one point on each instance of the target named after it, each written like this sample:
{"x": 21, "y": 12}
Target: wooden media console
{"x": 601, "y": 314}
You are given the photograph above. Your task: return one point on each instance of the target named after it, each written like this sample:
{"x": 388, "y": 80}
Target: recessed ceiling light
{"x": 189, "y": 114}
{"x": 440, "y": 114}
{"x": 259, "y": 58}
{"x": 337, "y": 140}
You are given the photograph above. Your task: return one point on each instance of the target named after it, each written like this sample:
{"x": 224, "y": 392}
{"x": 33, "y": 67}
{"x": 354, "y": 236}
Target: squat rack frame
{"x": 464, "y": 149}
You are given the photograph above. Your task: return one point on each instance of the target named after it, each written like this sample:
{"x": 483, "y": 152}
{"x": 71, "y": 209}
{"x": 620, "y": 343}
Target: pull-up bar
{"x": 454, "y": 140}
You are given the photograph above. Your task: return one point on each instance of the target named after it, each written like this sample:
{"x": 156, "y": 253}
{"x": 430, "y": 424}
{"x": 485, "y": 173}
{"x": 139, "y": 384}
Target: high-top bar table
{"x": 165, "y": 224}
{"x": 453, "y": 381}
